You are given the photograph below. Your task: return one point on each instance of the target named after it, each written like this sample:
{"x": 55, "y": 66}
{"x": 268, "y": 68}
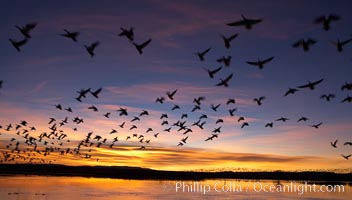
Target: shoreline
{"x": 150, "y": 174}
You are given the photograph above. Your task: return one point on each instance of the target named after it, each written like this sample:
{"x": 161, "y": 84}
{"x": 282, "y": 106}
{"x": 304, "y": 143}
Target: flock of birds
{"x": 28, "y": 146}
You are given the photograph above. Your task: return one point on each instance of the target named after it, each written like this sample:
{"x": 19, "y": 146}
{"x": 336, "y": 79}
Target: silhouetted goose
{"x": 196, "y": 107}
{"x": 334, "y": 144}
{"x": 302, "y": 119}
{"x": 156, "y": 135}
{"x": 227, "y": 40}
{"x": 167, "y": 130}
{"x": 198, "y": 100}
{"x": 58, "y": 106}
{"x": 188, "y": 130}
{"x": 346, "y": 86}
{"x": 217, "y": 130}
{"x": 317, "y": 125}
{"x": 311, "y": 85}
{"x": 203, "y": 116}
{"x": 140, "y": 47}
{"x": 326, "y": 20}
{"x": 163, "y": 116}
{"x": 246, "y": 22}
{"x": 90, "y": 49}
{"x": 113, "y": 131}
{"x": 171, "y": 94}
{"x": 184, "y": 139}
{"x": 135, "y": 119}
{"x": 305, "y": 44}
{"x": 123, "y": 111}
{"x": 149, "y": 130}
{"x": 229, "y": 101}
{"x": 164, "y": 123}
{"x": 144, "y": 112}
{"x": 260, "y": 63}
{"x": 180, "y": 144}
{"x": 69, "y": 109}
{"x": 95, "y": 109}
{"x": 25, "y": 30}
{"x": 346, "y": 156}
{"x": 1, "y": 83}
{"x": 18, "y": 44}
{"x": 128, "y": 33}
{"x": 133, "y": 127}
{"x": 291, "y": 91}
{"x": 185, "y": 115}
{"x": 219, "y": 121}
{"x": 240, "y": 119}
{"x": 282, "y": 119}
{"x": 202, "y": 54}
{"x": 122, "y": 125}
{"x": 328, "y": 97}
{"x": 339, "y": 44}
{"x": 225, "y": 60}
{"x": 212, "y": 72}
{"x": 160, "y": 100}
{"x": 347, "y": 99}
{"x": 215, "y": 107}
{"x": 107, "y": 115}
{"x": 259, "y": 100}
{"x": 232, "y": 111}
{"x": 175, "y": 107}
{"x": 269, "y": 125}
{"x": 244, "y": 124}
{"x": 72, "y": 35}
{"x": 96, "y": 93}
{"x": 225, "y": 82}
{"x": 347, "y": 143}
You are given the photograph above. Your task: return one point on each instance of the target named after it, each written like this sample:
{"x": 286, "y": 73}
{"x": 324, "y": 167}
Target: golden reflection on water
{"x": 41, "y": 187}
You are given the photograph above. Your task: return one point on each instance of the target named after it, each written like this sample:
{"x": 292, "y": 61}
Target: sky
{"x": 50, "y": 69}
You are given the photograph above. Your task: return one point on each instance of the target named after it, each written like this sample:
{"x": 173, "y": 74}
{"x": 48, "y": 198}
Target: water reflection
{"x": 41, "y": 187}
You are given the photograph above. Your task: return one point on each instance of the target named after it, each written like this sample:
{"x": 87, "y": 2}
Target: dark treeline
{"x": 145, "y": 174}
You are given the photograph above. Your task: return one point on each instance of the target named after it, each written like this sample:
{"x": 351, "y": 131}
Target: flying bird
{"x": 346, "y": 156}
{"x": 244, "y": 124}
{"x": 202, "y": 54}
{"x": 128, "y": 33}
{"x": 302, "y": 119}
{"x": 269, "y": 125}
{"x": 246, "y": 22}
{"x": 326, "y": 20}
{"x": 317, "y": 125}
{"x": 282, "y": 119}
{"x": 18, "y": 44}
{"x": 347, "y": 143}
{"x": 25, "y": 30}
{"x": 328, "y": 97}
{"x": 347, "y": 99}
{"x": 225, "y": 82}
{"x": 71, "y": 35}
{"x": 340, "y": 44}
{"x": 198, "y": 100}
{"x": 171, "y": 94}
{"x": 225, "y": 60}
{"x": 123, "y": 111}
{"x": 346, "y": 86}
{"x": 215, "y": 107}
{"x": 90, "y": 49}
{"x": 96, "y": 93}
{"x": 227, "y": 40}
{"x": 259, "y": 100}
{"x": 290, "y": 91}
{"x": 95, "y": 109}
{"x": 1, "y": 83}
{"x": 305, "y": 44}
{"x": 160, "y": 100}
{"x": 334, "y": 144}
{"x": 140, "y": 47}
{"x": 311, "y": 85}
{"x": 260, "y": 63}
{"x": 212, "y": 72}
{"x": 233, "y": 101}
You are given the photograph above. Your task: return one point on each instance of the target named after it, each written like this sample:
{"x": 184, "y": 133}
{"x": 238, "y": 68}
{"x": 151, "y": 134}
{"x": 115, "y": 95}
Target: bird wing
{"x": 268, "y": 60}
{"x": 317, "y": 82}
{"x": 237, "y": 23}
{"x": 252, "y": 63}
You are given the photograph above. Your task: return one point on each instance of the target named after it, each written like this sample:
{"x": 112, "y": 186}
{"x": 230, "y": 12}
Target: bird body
{"x": 246, "y": 22}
